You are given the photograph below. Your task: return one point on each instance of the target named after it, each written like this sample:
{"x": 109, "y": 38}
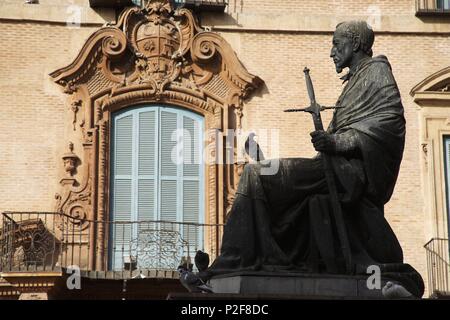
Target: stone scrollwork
{"x": 151, "y": 55}
{"x": 75, "y": 200}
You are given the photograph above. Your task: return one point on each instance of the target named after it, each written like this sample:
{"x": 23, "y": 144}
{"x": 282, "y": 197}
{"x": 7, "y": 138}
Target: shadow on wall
{"x": 218, "y": 19}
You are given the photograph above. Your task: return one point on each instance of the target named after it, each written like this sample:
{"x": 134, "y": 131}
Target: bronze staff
{"x": 314, "y": 109}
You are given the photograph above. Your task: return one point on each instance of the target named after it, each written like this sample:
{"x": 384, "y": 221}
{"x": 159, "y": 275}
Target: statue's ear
{"x": 356, "y": 43}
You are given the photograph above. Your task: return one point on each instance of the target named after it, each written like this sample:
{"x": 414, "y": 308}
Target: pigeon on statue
{"x": 395, "y": 291}
{"x": 192, "y": 282}
{"x": 201, "y": 260}
{"x": 252, "y": 148}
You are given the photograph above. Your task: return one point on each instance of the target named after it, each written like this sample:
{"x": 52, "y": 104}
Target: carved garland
{"x": 152, "y": 55}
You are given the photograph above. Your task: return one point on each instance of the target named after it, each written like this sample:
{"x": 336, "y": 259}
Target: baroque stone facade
{"x": 151, "y": 55}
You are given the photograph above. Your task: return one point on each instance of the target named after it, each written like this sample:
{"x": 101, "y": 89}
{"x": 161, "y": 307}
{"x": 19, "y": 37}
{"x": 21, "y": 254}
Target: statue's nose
{"x": 332, "y": 53}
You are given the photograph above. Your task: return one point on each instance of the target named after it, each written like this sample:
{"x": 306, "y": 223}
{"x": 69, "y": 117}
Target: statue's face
{"x": 342, "y": 51}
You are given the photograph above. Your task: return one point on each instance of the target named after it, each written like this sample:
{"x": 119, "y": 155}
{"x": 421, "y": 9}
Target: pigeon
{"x": 395, "y": 291}
{"x": 139, "y": 276}
{"x": 201, "y": 260}
{"x": 186, "y": 264}
{"x": 192, "y": 282}
{"x": 252, "y": 148}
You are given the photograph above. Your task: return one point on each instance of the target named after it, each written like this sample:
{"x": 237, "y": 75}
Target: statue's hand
{"x": 323, "y": 141}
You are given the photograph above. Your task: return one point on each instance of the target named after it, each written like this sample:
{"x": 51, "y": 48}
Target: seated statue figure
{"x": 284, "y": 222}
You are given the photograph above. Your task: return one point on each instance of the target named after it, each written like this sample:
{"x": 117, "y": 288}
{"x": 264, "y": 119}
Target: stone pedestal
{"x": 34, "y": 296}
{"x": 296, "y": 284}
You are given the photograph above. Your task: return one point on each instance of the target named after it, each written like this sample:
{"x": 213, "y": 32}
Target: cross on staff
{"x": 314, "y": 109}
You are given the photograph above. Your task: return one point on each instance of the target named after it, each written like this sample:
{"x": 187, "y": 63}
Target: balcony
{"x": 438, "y": 267}
{"x": 111, "y": 3}
{"x": 52, "y": 245}
{"x": 203, "y": 5}
{"x": 432, "y": 8}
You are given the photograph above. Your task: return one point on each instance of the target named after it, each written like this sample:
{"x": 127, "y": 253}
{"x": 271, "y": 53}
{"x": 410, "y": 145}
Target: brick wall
{"x": 329, "y": 7}
{"x": 32, "y": 111}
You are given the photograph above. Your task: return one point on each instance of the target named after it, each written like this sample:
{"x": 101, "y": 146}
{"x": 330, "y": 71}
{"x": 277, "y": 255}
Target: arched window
{"x": 156, "y": 175}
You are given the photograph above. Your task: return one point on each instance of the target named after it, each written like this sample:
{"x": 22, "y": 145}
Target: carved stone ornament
{"x": 433, "y": 90}
{"x": 152, "y": 55}
{"x": 70, "y": 161}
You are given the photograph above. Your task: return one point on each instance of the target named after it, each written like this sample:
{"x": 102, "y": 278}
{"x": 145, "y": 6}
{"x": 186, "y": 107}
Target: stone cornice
{"x": 237, "y": 22}
{"x": 296, "y": 22}
{"x": 54, "y": 13}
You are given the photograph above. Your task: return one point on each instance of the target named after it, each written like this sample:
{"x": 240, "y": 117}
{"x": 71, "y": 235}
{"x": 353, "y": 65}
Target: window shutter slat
{"x": 147, "y": 143}
{"x": 168, "y": 200}
{"x": 122, "y": 212}
{"x": 191, "y": 201}
{"x": 124, "y": 146}
{"x": 146, "y": 196}
{"x": 191, "y": 211}
{"x": 122, "y": 200}
{"x": 168, "y": 127}
{"x": 191, "y": 147}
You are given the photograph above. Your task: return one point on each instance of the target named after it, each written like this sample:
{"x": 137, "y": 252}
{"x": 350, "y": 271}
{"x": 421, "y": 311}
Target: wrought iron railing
{"x": 207, "y": 5}
{"x": 438, "y": 267}
{"x": 204, "y": 5}
{"x": 432, "y": 7}
{"x": 41, "y": 241}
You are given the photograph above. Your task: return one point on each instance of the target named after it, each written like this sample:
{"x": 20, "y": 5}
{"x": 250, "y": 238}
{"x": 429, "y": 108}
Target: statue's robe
{"x": 285, "y": 222}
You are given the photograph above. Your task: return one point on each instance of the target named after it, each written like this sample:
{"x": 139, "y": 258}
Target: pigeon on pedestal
{"x": 395, "y": 291}
{"x": 201, "y": 260}
{"x": 192, "y": 282}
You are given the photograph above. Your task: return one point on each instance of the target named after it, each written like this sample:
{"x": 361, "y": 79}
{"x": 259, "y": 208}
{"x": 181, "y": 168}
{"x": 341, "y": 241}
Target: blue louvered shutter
{"x": 122, "y": 199}
{"x": 157, "y": 175}
{"x": 192, "y": 178}
{"x": 147, "y": 165}
{"x": 169, "y": 183}
{"x": 169, "y": 180}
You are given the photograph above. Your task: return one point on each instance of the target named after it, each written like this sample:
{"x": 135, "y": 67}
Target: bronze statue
{"x": 287, "y": 221}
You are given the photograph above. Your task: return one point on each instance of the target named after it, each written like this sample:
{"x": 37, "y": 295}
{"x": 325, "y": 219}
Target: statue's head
{"x": 352, "y": 40}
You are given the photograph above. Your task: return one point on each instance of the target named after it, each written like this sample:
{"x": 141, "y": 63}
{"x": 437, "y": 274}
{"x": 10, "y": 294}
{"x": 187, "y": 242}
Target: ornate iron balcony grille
{"x": 438, "y": 267}
{"x": 432, "y": 7}
{"x": 111, "y": 3}
{"x": 203, "y": 5}
{"x": 48, "y": 241}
